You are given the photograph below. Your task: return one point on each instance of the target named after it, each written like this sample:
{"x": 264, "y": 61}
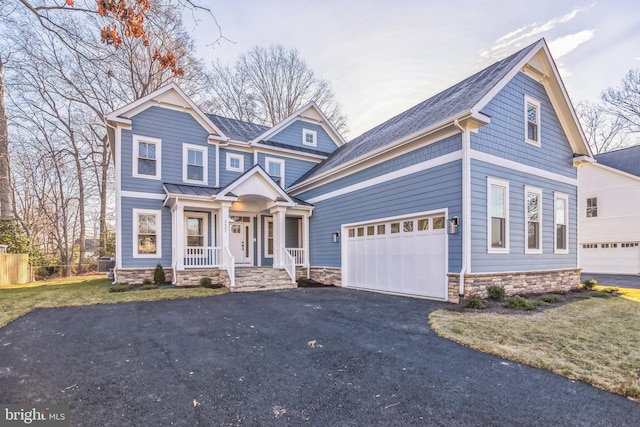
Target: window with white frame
{"x": 235, "y": 162}
{"x": 275, "y": 169}
{"x": 196, "y": 227}
{"x": 147, "y": 156}
{"x": 498, "y": 216}
{"x": 561, "y": 208}
{"x": 268, "y": 238}
{"x": 592, "y": 207}
{"x": 532, "y": 120}
{"x": 533, "y": 213}
{"x": 310, "y": 137}
{"x": 194, "y": 164}
{"x": 147, "y": 230}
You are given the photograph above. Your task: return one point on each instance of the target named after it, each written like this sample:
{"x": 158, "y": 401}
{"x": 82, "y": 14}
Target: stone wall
{"x": 453, "y": 286}
{"x": 519, "y": 283}
{"x": 135, "y": 276}
{"x": 192, "y": 277}
{"x": 327, "y": 275}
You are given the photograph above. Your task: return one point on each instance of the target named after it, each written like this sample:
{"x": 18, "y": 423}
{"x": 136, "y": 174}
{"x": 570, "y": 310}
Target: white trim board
{"x": 140, "y": 195}
{"x": 438, "y": 161}
{"x": 510, "y": 164}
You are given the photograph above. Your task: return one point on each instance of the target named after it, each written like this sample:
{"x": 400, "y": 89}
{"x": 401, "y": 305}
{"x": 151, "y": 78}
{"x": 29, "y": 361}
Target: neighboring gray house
{"x": 474, "y": 186}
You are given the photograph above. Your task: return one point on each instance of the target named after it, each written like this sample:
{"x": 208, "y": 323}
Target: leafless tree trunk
{"x": 6, "y": 196}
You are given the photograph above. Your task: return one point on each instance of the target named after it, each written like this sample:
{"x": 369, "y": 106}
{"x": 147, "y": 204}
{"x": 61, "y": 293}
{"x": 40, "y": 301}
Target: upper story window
{"x": 561, "y": 207}
{"x": 498, "y": 216}
{"x": 592, "y": 207}
{"x": 194, "y": 167}
{"x": 235, "y": 162}
{"x": 275, "y": 169}
{"x": 310, "y": 137}
{"x": 533, "y": 213}
{"x": 146, "y": 157}
{"x": 148, "y": 237}
{"x": 532, "y": 120}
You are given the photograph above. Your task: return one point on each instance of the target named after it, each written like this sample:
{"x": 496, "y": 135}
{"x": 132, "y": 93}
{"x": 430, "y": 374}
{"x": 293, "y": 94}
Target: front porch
{"x": 251, "y": 224}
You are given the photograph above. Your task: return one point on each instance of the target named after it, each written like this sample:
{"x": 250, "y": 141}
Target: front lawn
{"x": 595, "y": 340}
{"x": 18, "y": 300}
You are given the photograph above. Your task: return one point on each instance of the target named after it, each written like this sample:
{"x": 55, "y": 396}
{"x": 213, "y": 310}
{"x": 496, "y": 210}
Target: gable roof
{"x": 309, "y": 112}
{"x": 464, "y": 99}
{"x": 237, "y": 129}
{"x": 624, "y": 159}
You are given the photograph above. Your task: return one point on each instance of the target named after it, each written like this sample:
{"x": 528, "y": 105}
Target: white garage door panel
{"x": 403, "y": 255}
{"x": 611, "y": 260}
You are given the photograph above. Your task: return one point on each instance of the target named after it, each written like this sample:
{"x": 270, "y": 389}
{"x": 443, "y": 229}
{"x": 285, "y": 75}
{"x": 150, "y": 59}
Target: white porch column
{"x": 224, "y": 224}
{"x": 180, "y": 235}
{"x": 305, "y": 239}
{"x": 278, "y": 213}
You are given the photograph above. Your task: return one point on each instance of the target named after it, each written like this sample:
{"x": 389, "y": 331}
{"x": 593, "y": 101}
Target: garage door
{"x": 610, "y": 258}
{"x": 405, "y": 255}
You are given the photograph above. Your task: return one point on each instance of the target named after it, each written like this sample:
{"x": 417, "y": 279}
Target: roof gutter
{"x": 466, "y": 205}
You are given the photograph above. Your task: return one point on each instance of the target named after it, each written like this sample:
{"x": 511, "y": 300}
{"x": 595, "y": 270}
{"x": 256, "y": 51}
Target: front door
{"x": 241, "y": 240}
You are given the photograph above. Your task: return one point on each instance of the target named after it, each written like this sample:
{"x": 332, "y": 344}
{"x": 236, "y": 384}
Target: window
{"x": 561, "y": 207}
{"x": 395, "y": 227}
{"x": 438, "y": 223}
{"x": 275, "y": 169}
{"x": 532, "y": 121}
{"x": 370, "y": 230}
{"x": 381, "y": 229}
{"x": 309, "y": 137}
{"x": 235, "y": 162}
{"x": 196, "y": 227}
{"x": 194, "y": 164}
{"x": 498, "y": 216}
{"x": 146, "y": 157}
{"x": 423, "y": 224}
{"x": 360, "y": 231}
{"x": 533, "y": 219}
{"x": 592, "y": 207}
{"x": 268, "y": 238}
{"x": 147, "y": 240}
{"x": 407, "y": 226}
{"x": 352, "y": 232}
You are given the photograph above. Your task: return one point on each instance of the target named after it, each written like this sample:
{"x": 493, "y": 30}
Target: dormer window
{"x": 309, "y": 137}
{"x": 532, "y": 120}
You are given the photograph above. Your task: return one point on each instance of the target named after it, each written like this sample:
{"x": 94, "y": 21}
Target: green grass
{"x": 595, "y": 340}
{"x": 18, "y": 300}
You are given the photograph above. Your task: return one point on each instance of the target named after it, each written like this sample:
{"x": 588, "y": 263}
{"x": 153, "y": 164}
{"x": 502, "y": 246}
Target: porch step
{"x": 262, "y": 279}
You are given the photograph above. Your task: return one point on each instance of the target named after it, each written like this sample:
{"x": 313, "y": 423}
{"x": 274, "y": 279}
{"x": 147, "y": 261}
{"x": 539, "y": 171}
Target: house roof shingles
{"x": 445, "y": 105}
{"x": 625, "y": 159}
{"x": 236, "y": 129}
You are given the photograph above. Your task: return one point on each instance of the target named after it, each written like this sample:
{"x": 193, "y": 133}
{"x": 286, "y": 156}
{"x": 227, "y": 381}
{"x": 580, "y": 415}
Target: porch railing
{"x": 289, "y": 264}
{"x": 229, "y": 264}
{"x": 297, "y": 254}
{"x": 201, "y": 257}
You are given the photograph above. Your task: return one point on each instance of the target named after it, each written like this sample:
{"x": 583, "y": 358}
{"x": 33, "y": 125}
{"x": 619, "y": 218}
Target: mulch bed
{"x": 491, "y": 306}
{"x": 312, "y": 284}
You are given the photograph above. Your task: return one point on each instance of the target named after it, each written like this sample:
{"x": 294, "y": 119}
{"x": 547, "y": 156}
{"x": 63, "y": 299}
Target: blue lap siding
{"x": 129, "y": 235}
{"x": 292, "y": 135}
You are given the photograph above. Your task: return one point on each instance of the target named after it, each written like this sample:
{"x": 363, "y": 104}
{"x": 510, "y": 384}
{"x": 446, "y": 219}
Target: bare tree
{"x": 624, "y": 101}
{"x": 6, "y": 196}
{"x": 603, "y": 130}
{"x": 267, "y": 85}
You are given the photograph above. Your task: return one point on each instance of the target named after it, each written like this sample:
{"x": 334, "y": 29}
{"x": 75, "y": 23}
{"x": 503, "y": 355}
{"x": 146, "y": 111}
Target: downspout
{"x": 466, "y": 205}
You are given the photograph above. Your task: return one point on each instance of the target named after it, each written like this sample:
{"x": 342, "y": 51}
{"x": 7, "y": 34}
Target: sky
{"x": 383, "y": 57}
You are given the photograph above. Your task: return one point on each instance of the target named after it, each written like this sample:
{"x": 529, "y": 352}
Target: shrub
{"x": 474, "y": 302}
{"x": 517, "y": 302}
{"x": 600, "y": 294}
{"x": 550, "y": 298}
{"x": 590, "y": 283}
{"x": 148, "y": 286}
{"x": 496, "y": 293}
{"x": 205, "y": 282}
{"x": 158, "y": 275}
{"x": 120, "y": 287}
{"x": 147, "y": 282}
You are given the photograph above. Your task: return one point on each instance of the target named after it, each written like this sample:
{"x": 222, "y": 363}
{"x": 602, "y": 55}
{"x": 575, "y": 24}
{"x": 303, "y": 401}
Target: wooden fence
{"x": 14, "y": 269}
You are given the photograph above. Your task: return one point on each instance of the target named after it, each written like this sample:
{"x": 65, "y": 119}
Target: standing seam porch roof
{"x": 445, "y": 105}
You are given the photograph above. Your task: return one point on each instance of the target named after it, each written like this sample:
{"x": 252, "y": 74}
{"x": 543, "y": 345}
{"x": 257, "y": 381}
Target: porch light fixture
{"x": 453, "y": 225}
{"x": 335, "y": 237}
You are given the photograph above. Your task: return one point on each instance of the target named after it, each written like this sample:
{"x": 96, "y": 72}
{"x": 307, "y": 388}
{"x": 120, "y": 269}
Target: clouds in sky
{"x": 526, "y": 34}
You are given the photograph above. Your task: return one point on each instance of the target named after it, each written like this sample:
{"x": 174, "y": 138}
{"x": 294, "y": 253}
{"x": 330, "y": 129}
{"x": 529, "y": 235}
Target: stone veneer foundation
{"x": 518, "y": 283}
{"x": 327, "y": 275}
{"x": 135, "y": 276}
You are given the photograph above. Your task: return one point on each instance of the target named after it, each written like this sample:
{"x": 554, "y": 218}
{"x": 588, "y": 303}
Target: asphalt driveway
{"x": 614, "y": 280}
{"x": 298, "y": 357}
